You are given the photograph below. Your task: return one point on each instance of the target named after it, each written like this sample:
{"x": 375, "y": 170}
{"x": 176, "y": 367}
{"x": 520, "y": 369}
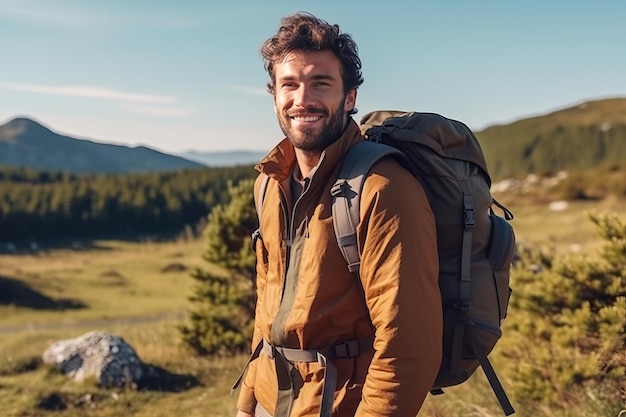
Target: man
{"x": 326, "y": 339}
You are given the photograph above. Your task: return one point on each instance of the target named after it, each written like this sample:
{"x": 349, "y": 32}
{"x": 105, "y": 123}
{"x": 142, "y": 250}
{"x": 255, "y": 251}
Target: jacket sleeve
{"x": 246, "y": 400}
{"x": 399, "y": 272}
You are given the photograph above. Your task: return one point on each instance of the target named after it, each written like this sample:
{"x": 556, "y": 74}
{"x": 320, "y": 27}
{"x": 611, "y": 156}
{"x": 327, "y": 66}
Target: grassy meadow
{"x": 139, "y": 290}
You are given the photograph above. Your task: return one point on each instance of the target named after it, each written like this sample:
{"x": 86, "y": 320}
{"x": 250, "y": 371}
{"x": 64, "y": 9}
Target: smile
{"x": 306, "y": 118}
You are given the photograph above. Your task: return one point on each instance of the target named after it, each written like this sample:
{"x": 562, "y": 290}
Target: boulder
{"x": 103, "y": 356}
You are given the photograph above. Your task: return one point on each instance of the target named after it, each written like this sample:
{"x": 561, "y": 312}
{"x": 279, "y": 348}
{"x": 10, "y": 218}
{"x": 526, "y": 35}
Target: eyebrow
{"x": 315, "y": 77}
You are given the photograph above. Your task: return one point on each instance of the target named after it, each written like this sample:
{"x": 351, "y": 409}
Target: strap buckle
{"x": 469, "y": 217}
{"x": 347, "y": 349}
{"x": 340, "y": 188}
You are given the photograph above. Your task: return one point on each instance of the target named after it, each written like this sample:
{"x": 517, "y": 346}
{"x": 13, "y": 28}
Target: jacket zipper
{"x": 291, "y": 231}
{"x": 291, "y": 225}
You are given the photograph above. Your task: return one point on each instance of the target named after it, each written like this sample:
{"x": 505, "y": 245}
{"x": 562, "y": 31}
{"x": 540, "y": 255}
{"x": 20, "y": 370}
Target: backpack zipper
{"x": 490, "y": 327}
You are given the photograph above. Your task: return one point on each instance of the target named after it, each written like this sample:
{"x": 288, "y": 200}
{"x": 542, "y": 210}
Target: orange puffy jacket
{"x": 307, "y": 298}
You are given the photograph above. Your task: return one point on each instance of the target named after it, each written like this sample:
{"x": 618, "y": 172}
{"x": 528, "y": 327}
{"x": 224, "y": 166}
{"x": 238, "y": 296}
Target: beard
{"x": 308, "y": 139}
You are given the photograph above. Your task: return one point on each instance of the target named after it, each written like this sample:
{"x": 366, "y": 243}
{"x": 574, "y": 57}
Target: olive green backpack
{"x": 475, "y": 245}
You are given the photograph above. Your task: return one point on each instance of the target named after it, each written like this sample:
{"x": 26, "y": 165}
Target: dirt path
{"x": 23, "y": 328}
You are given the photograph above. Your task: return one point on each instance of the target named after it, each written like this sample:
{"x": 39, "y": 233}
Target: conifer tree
{"x": 221, "y": 319}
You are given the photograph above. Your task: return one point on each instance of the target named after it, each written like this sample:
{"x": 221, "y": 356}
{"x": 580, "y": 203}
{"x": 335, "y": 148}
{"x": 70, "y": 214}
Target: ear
{"x": 350, "y": 100}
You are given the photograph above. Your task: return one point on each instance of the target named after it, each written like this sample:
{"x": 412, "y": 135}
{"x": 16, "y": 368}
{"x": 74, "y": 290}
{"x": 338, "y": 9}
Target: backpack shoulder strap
{"x": 259, "y": 197}
{"x": 346, "y": 194}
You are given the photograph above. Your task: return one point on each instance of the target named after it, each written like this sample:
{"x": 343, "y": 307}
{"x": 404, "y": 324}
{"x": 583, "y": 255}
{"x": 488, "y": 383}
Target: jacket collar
{"x": 278, "y": 163}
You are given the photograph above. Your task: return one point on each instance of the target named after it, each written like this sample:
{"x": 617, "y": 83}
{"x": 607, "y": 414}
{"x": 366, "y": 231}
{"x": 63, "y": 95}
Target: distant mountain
{"x": 224, "y": 158}
{"x": 582, "y": 136}
{"x": 26, "y": 143}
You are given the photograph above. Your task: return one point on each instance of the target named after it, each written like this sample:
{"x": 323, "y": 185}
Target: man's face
{"x": 309, "y": 99}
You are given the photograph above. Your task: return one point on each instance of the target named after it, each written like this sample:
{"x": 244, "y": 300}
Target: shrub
{"x": 567, "y": 327}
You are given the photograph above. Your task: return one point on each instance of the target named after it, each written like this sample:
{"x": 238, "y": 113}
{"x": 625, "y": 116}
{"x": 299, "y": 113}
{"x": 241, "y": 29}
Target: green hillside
{"x": 579, "y": 137}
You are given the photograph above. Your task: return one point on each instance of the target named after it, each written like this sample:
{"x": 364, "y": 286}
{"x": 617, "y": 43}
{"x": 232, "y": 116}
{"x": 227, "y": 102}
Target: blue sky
{"x": 181, "y": 75}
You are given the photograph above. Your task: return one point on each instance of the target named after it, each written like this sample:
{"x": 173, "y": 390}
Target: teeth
{"x": 306, "y": 118}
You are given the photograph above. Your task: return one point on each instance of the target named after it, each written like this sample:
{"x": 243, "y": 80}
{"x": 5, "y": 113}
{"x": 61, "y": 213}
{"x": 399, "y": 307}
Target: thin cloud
{"x": 89, "y": 92}
{"x": 252, "y": 91}
{"x": 46, "y": 13}
{"x": 75, "y": 15}
{"x": 173, "y": 112}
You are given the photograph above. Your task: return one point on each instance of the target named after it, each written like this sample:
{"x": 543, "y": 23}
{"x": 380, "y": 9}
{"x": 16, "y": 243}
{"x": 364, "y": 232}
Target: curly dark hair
{"x": 303, "y": 31}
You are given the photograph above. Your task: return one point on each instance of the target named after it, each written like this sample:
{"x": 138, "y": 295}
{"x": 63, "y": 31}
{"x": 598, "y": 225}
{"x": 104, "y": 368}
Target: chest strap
{"x": 341, "y": 350}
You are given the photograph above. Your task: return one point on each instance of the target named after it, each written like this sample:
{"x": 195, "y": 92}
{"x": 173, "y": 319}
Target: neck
{"x": 307, "y": 160}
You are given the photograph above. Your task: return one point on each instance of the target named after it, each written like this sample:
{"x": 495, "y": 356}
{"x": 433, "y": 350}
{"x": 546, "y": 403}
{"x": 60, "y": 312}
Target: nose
{"x": 303, "y": 96}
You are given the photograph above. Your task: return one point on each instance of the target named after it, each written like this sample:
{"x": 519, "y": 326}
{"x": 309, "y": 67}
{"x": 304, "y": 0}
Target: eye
{"x": 289, "y": 85}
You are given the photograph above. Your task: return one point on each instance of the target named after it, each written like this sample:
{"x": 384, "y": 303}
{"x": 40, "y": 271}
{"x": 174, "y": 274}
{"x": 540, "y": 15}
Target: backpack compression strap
{"x": 346, "y": 194}
{"x": 463, "y": 303}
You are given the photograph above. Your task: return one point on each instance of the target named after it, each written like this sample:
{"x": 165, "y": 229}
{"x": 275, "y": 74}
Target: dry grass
{"x": 190, "y": 386}
{"x": 566, "y": 230}
{"x": 136, "y": 290}
{"x": 112, "y": 280}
